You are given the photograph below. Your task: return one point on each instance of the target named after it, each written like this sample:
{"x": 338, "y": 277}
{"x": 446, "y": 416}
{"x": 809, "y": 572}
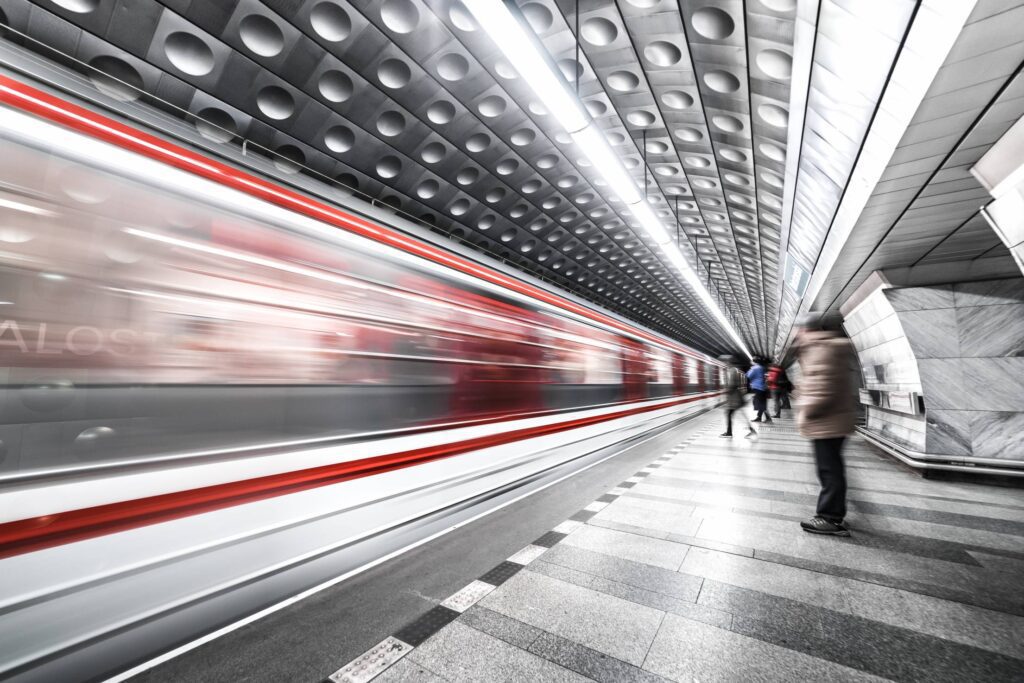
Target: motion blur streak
{"x": 214, "y": 399}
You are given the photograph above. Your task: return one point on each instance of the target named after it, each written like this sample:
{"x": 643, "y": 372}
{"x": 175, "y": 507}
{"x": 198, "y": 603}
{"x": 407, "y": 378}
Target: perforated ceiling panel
{"x": 408, "y": 102}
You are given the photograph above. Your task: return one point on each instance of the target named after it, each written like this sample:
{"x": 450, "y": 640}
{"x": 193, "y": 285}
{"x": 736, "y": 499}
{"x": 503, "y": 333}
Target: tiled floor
{"x": 696, "y": 569}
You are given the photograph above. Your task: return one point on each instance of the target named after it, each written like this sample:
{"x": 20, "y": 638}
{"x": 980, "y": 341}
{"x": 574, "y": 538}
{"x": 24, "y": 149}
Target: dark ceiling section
{"x": 923, "y": 216}
{"x": 406, "y": 102}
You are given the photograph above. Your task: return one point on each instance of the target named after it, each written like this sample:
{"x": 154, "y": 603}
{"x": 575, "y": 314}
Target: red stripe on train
{"x": 22, "y": 96}
{"x": 29, "y": 535}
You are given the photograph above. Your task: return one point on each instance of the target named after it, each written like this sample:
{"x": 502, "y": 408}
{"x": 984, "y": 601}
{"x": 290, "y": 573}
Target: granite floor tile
{"x": 590, "y": 663}
{"x": 630, "y": 528}
{"x": 690, "y": 651}
{"x": 795, "y": 616}
{"x": 461, "y": 653}
{"x": 650, "y": 551}
{"x": 624, "y": 512}
{"x": 492, "y": 623}
{"x": 407, "y": 671}
{"x": 663, "y": 602}
{"x": 602, "y": 622}
{"x": 637, "y": 574}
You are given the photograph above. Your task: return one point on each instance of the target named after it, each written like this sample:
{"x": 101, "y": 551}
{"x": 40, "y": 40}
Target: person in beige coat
{"x": 825, "y": 413}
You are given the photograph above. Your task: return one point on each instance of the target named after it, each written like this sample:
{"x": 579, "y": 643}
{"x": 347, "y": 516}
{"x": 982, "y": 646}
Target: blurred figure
{"x": 758, "y": 384}
{"x": 778, "y": 385}
{"x": 825, "y": 413}
{"x": 733, "y": 395}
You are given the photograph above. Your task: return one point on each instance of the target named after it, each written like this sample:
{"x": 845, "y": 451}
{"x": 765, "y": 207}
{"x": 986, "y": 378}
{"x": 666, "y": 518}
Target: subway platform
{"x": 695, "y": 568}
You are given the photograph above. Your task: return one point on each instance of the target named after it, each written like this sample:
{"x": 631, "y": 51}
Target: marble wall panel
{"x": 989, "y": 384}
{"x": 920, "y": 298}
{"x": 989, "y": 292}
{"x": 942, "y": 382}
{"x": 997, "y": 434}
{"x": 948, "y": 432}
{"x": 878, "y": 421}
{"x": 932, "y": 332}
{"x": 988, "y": 331}
{"x": 884, "y": 330}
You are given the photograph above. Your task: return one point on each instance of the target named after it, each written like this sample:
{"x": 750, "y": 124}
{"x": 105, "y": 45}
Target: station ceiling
{"x": 745, "y": 123}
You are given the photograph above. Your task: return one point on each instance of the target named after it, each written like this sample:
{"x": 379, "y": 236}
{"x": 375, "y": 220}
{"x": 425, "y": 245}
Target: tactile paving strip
{"x": 373, "y": 662}
{"x": 427, "y": 625}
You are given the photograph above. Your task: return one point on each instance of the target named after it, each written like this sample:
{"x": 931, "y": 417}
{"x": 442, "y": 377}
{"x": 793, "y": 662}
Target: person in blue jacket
{"x": 756, "y": 378}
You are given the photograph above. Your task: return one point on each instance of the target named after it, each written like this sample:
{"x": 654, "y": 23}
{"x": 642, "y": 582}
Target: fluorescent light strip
{"x": 521, "y": 48}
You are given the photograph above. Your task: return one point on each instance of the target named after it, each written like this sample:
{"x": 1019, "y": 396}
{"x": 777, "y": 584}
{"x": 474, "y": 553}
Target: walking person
{"x": 778, "y": 384}
{"x": 756, "y": 377}
{"x": 733, "y": 394}
{"x": 825, "y": 413}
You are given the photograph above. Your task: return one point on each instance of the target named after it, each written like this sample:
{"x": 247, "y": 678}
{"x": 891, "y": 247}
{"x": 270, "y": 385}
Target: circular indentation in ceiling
{"x": 348, "y": 180}
{"x": 732, "y": 155}
{"x": 722, "y": 81}
{"x": 388, "y": 166}
{"x": 567, "y": 182}
{"x": 189, "y": 54}
{"x": 666, "y": 170}
{"x": 736, "y": 179}
{"x": 486, "y": 222}
{"x": 538, "y": 15}
{"x": 640, "y": 117}
{"x": 401, "y": 16}
{"x": 335, "y": 86}
{"x": 550, "y": 203}
{"x": 531, "y": 186}
{"x": 275, "y": 102}
{"x": 394, "y": 73}
{"x": 518, "y": 211}
{"x": 459, "y": 206}
{"x": 547, "y": 161}
{"x": 505, "y": 70}
{"x": 492, "y": 106}
{"x": 712, "y": 23}
{"x": 523, "y": 137}
{"x": 78, "y": 6}
{"x": 508, "y": 235}
{"x": 780, "y": 5}
{"x": 599, "y": 31}
{"x": 623, "y": 81}
{"x": 596, "y": 107}
{"x": 697, "y": 162}
{"x": 117, "y": 78}
{"x": 538, "y": 108}
{"x": 657, "y": 147}
{"x": 216, "y": 124}
{"x": 772, "y": 151}
{"x": 330, "y": 22}
{"x": 507, "y": 166}
{"x": 494, "y": 196}
{"x": 391, "y": 123}
{"x": 776, "y": 63}
{"x": 773, "y": 115}
{"x": 289, "y": 158}
{"x": 478, "y": 142}
{"x": 528, "y": 246}
{"x": 467, "y": 176}
{"x": 461, "y": 17}
{"x": 771, "y": 201}
{"x": 689, "y": 134}
{"x": 663, "y": 53}
{"x": 433, "y": 152}
{"x": 571, "y": 69}
{"x": 710, "y": 201}
{"x": 261, "y": 35}
{"x": 563, "y": 138}
{"x": 730, "y": 124}
{"x": 704, "y": 183}
{"x": 441, "y": 112}
{"x": 452, "y": 67}
{"x": 741, "y": 199}
{"x": 771, "y": 178}
{"x": 677, "y": 99}
{"x": 339, "y": 139}
{"x": 427, "y": 189}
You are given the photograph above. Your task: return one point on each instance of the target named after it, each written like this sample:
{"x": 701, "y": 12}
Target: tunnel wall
{"x": 960, "y": 348}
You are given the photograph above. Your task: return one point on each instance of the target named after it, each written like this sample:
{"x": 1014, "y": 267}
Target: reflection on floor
{"x": 696, "y": 569}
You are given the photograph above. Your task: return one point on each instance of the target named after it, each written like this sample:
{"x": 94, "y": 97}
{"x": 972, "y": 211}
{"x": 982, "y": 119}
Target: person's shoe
{"x": 727, "y": 435}
{"x": 820, "y": 525}
{"x": 756, "y": 420}
{"x": 767, "y": 420}
{"x": 751, "y": 433}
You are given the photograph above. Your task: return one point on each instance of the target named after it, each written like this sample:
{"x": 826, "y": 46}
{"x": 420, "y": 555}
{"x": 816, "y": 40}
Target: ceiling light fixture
{"x": 521, "y": 48}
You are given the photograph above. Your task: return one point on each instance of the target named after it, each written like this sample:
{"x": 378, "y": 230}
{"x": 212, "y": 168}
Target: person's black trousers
{"x": 828, "y": 455}
{"x": 728, "y": 420}
{"x": 761, "y": 404}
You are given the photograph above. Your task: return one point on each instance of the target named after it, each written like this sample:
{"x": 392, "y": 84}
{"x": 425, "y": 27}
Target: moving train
{"x": 220, "y": 393}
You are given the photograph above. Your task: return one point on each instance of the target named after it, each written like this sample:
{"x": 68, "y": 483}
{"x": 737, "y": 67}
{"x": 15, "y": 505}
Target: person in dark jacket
{"x": 826, "y": 413}
{"x": 733, "y": 394}
{"x": 758, "y": 385}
